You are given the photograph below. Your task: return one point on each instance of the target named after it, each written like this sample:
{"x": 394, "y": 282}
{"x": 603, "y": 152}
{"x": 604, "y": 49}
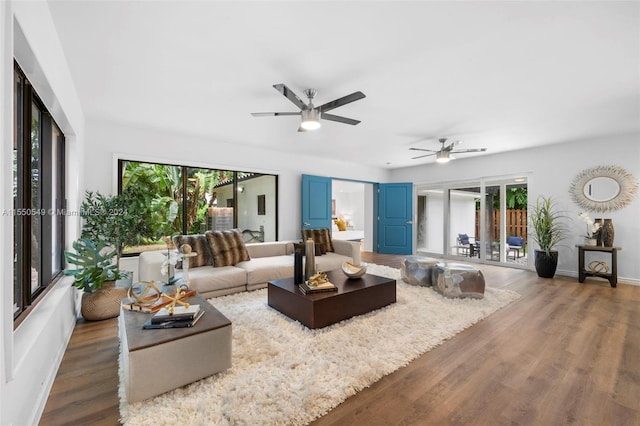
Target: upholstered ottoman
{"x": 458, "y": 280}
{"x": 417, "y": 270}
{"x": 157, "y": 361}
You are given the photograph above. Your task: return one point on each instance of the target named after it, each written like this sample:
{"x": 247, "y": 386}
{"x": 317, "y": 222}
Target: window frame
{"x": 51, "y": 168}
{"x": 184, "y": 173}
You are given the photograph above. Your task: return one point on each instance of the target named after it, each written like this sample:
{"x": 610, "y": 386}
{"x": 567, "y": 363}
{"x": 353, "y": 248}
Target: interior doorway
{"x": 352, "y": 204}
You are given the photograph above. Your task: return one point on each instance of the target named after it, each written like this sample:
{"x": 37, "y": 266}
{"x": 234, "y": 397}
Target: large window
{"x": 191, "y": 200}
{"x": 38, "y": 196}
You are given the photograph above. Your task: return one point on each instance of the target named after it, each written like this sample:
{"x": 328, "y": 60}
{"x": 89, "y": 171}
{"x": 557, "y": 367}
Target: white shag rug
{"x": 285, "y": 374}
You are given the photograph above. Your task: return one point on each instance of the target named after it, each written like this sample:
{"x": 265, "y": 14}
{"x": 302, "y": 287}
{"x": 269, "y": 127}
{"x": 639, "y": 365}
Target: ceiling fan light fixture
{"x": 442, "y": 157}
{"x": 310, "y": 119}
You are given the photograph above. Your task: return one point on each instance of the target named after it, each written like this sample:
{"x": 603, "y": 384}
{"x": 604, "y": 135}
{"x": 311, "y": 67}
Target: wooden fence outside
{"x": 516, "y": 223}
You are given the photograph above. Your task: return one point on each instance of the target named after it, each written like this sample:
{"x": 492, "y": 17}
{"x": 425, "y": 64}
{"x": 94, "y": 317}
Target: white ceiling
{"x": 502, "y": 75}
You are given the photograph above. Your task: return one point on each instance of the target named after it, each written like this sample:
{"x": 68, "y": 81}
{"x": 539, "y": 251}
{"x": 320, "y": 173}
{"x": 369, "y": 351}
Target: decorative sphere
{"x": 354, "y": 271}
{"x": 185, "y": 249}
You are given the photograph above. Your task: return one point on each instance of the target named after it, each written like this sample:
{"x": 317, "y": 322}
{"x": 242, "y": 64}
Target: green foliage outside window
{"x": 516, "y": 199}
{"x": 173, "y": 208}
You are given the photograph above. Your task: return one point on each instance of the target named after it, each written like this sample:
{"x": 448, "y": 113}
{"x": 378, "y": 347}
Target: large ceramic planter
{"x": 104, "y": 303}
{"x": 546, "y": 264}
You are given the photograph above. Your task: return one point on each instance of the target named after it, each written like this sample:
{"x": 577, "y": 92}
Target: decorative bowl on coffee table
{"x": 354, "y": 271}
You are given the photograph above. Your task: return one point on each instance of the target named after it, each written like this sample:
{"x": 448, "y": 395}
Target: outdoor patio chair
{"x": 468, "y": 247}
{"x": 515, "y": 244}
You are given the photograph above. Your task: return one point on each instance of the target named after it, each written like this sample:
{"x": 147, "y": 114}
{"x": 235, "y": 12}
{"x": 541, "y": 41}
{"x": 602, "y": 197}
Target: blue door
{"x": 395, "y": 214}
{"x": 316, "y": 202}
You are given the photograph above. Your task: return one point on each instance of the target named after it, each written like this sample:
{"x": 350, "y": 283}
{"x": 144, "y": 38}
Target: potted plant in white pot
{"x": 548, "y": 230}
{"x": 95, "y": 274}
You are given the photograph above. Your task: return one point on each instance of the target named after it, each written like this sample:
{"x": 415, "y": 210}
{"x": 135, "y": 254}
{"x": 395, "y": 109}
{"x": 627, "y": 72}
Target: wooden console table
{"x": 611, "y": 276}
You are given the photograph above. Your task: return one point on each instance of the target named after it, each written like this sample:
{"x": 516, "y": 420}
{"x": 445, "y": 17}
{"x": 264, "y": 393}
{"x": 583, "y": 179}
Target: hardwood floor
{"x": 564, "y": 353}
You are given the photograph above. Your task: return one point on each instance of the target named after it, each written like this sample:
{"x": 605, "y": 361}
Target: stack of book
{"x": 182, "y": 316}
{"x": 307, "y": 287}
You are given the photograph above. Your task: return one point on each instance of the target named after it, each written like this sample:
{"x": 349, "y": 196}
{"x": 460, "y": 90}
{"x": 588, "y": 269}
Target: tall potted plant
{"x": 547, "y": 231}
{"x": 119, "y": 220}
{"x": 95, "y": 274}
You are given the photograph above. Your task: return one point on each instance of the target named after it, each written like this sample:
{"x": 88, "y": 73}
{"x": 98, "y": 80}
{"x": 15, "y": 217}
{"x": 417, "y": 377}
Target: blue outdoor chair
{"x": 515, "y": 244}
{"x": 472, "y": 249}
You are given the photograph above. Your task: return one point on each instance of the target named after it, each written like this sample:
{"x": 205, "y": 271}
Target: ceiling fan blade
{"x": 288, "y": 93}
{"x": 272, "y": 114}
{"x": 422, "y": 149}
{"x": 422, "y": 156}
{"x": 339, "y": 119}
{"x": 470, "y": 150}
{"x": 341, "y": 101}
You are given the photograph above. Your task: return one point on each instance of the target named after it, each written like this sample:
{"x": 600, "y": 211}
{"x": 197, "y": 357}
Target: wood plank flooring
{"x": 565, "y": 353}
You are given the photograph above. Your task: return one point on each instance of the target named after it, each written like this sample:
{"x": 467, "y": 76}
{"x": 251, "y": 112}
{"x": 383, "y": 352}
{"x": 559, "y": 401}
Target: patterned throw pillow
{"x": 320, "y": 236}
{"x": 227, "y": 247}
{"x": 198, "y": 245}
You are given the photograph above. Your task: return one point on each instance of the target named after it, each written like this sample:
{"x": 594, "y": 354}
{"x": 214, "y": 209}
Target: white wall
{"x": 434, "y": 222}
{"x": 463, "y": 217}
{"x": 369, "y": 216}
{"x": 248, "y": 217}
{"x": 551, "y": 169}
{"x": 31, "y": 354}
{"x": 108, "y": 141}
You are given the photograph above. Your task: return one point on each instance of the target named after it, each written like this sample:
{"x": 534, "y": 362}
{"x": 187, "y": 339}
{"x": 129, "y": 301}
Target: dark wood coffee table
{"x": 317, "y": 310}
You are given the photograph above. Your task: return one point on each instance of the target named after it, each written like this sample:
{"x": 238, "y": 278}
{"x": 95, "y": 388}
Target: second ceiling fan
{"x": 311, "y": 114}
{"x": 444, "y": 153}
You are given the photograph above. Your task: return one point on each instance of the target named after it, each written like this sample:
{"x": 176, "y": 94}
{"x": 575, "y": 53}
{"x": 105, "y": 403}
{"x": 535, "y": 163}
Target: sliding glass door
{"x": 493, "y": 243}
{"x": 464, "y": 234}
{"x": 476, "y": 221}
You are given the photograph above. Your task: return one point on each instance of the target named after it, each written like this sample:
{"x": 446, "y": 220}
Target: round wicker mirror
{"x": 603, "y": 188}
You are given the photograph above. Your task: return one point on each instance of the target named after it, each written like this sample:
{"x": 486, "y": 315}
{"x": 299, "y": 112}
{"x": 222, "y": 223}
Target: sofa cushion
{"x": 331, "y": 262}
{"x": 199, "y": 245}
{"x": 276, "y": 248}
{"x": 227, "y": 247}
{"x": 320, "y": 236}
{"x": 263, "y": 269}
{"x": 208, "y": 279}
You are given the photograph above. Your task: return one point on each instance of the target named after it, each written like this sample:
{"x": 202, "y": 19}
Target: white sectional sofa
{"x": 269, "y": 261}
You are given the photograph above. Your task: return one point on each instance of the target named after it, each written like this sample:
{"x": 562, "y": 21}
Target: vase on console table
{"x": 607, "y": 233}
{"x": 598, "y": 233}
{"x": 590, "y": 241}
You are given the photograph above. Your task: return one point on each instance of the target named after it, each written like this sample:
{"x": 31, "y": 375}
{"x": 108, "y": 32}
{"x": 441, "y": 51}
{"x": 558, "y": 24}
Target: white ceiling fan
{"x": 443, "y": 155}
